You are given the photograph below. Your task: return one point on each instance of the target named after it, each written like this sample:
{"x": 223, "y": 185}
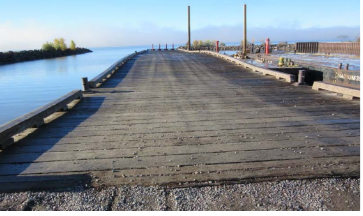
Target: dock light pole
{"x": 188, "y": 27}
{"x": 245, "y": 30}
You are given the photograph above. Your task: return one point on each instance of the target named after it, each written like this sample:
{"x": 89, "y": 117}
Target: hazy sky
{"x": 93, "y": 23}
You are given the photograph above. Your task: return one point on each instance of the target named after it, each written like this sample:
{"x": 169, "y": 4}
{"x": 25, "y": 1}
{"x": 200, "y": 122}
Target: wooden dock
{"x": 183, "y": 119}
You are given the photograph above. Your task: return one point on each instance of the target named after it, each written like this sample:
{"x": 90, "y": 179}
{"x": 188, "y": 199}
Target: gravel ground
{"x": 310, "y": 195}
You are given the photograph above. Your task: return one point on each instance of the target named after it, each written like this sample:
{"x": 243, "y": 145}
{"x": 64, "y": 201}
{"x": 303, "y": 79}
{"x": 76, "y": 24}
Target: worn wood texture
{"x": 34, "y": 118}
{"x": 110, "y": 70}
{"x": 180, "y": 119}
{"x": 347, "y": 92}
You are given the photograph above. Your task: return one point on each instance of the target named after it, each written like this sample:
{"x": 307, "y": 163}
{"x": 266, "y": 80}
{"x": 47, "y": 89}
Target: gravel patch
{"x": 294, "y": 195}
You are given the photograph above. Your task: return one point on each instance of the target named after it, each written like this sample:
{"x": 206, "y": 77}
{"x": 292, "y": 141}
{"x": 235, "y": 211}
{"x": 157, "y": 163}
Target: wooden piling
{"x": 188, "y": 27}
{"x": 245, "y": 29}
{"x": 85, "y": 84}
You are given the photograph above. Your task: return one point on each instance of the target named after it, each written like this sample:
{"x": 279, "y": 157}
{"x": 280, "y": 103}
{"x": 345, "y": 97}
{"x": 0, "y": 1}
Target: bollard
{"x": 301, "y": 79}
{"x": 85, "y": 84}
{"x": 347, "y": 67}
{"x": 267, "y": 49}
{"x": 159, "y": 47}
{"x": 217, "y": 46}
{"x": 340, "y": 66}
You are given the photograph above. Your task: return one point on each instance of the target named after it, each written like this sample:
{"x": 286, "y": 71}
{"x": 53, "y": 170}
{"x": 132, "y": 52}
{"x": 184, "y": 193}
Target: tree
{"x": 63, "y": 45}
{"x": 200, "y": 43}
{"x": 72, "y": 46}
{"x": 207, "y": 43}
{"x": 195, "y": 44}
{"x": 223, "y": 44}
{"x": 48, "y": 47}
{"x": 56, "y": 44}
{"x": 213, "y": 42}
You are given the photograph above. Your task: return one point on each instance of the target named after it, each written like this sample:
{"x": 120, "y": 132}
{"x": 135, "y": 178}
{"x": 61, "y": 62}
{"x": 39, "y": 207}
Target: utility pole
{"x": 188, "y": 27}
{"x": 245, "y": 30}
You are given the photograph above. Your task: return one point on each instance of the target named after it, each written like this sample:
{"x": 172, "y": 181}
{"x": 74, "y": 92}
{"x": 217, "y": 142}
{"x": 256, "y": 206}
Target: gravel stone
{"x": 289, "y": 195}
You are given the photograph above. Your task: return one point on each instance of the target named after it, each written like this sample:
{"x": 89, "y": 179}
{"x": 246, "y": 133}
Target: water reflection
{"x": 28, "y": 85}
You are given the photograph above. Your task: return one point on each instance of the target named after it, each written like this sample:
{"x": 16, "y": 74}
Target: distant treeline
{"x": 49, "y": 50}
{"x": 207, "y": 43}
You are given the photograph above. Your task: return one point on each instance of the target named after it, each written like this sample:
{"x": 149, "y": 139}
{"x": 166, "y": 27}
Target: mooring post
{"x": 301, "y": 79}
{"x": 245, "y": 30}
{"x": 159, "y": 47}
{"x": 188, "y": 27}
{"x": 85, "y": 84}
{"x": 217, "y": 46}
{"x": 340, "y": 66}
{"x": 347, "y": 67}
{"x": 267, "y": 48}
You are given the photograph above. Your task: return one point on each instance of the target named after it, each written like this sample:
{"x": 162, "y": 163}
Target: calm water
{"x": 27, "y": 86}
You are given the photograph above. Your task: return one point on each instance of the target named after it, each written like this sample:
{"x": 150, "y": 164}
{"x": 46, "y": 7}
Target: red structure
{"x": 267, "y": 48}
{"x": 152, "y": 47}
{"x": 159, "y": 47}
{"x": 217, "y": 46}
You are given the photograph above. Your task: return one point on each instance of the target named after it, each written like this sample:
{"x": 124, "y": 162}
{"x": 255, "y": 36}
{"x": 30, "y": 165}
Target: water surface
{"x": 27, "y": 86}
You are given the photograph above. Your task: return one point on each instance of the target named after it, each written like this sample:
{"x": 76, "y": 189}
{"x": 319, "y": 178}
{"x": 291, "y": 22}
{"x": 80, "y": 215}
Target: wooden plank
{"x": 347, "y": 92}
{"x": 179, "y": 118}
{"x": 35, "y": 118}
{"x": 173, "y": 160}
{"x": 105, "y": 74}
{"x": 279, "y": 75}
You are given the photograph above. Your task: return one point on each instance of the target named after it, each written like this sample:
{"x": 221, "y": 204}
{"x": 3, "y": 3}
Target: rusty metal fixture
{"x": 347, "y": 67}
{"x": 217, "y": 46}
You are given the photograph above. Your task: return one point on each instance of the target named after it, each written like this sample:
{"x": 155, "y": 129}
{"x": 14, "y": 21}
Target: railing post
{"x": 347, "y": 67}
{"x": 85, "y": 84}
{"x": 301, "y": 78}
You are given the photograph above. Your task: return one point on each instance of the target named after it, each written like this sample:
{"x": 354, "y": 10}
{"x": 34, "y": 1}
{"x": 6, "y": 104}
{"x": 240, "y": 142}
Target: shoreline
{"x": 11, "y": 57}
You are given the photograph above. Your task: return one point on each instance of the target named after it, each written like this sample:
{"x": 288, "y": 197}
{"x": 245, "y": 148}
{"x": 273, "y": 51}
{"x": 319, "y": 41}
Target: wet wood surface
{"x": 180, "y": 119}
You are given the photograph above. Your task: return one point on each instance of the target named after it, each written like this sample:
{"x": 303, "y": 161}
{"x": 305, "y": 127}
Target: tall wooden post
{"x": 245, "y": 29}
{"x": 188, "y": 27}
